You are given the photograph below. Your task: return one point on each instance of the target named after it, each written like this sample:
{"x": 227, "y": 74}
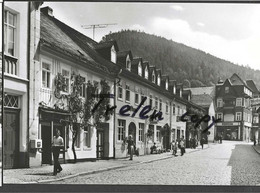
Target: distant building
{"x": 204, "y": 97}
{"x": 255, "y": 104}
{"x": 233, "y": 108}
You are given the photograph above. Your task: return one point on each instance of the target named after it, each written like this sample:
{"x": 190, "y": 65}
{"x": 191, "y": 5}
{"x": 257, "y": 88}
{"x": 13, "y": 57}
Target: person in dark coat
{"x": 57, "y": 144}
{"x": 131, "y": 145}
{"x": 202, "y": 141}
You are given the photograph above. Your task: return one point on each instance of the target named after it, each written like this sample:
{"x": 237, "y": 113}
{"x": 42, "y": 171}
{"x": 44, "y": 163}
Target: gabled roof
{"x": 136, "y": 60}
{"x": 202, "y": 99}
{"x": 236, "y": 80}
{"x": 107, "y": 44}
{"x": 202, "y": 90}
{"x": 252, "y": 86}
{"x": 123, "y": 54}
{"x": 57, "y": 36}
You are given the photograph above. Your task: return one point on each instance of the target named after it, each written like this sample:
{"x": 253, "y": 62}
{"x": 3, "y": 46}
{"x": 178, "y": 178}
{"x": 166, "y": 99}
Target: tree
{"x": 80, "y": 111}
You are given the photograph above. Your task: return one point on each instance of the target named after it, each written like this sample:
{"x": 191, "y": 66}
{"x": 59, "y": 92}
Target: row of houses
{"x": 53, "y": 78}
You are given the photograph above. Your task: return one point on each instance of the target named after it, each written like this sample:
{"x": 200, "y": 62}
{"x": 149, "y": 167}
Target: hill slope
{"x": 180, "y": 62}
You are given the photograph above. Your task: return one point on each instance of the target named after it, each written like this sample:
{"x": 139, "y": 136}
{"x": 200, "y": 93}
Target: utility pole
{"x": 94, "y": 26}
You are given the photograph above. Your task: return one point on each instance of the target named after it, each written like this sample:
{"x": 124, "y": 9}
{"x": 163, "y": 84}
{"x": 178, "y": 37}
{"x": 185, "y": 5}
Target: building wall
{"x": 211, "y": 113}
{"x": 47, "y": 97}
{"x": 17, "y": 85}
{"x": 144, "y": 146}
{"x": 177, "y": 124}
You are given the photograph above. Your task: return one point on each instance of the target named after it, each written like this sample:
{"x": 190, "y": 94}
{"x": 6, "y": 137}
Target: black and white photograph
{"x": 131, "y": 93}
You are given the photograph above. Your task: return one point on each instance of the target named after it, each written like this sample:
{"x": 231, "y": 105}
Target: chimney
{"x": 47, "y": 10}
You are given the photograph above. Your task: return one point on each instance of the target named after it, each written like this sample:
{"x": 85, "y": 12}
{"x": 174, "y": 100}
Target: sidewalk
{"x": 43, "y": 174}
{"x": 256, "y": 148}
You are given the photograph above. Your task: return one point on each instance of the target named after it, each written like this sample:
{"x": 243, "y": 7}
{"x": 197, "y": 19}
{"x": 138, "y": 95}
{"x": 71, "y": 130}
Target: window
{"x": 156, "y": 103}
{"x": 136, "y": 98}
{"x": 113, "y": 54}
{"x": 142, "y": 97}
{"x": 82, "y": 91}
{"x": 11, "y": 101}
{"x": 146, "y": 72}
{"x": 160, "y": 109}
{"x": 173, "y": 109}
{"x": 127, "y": 93}
{"x": 141, "y": 132}
{"x": 120, "y": 92}
{"x": 121, "y": 130}
{"x": 10, "y": 24}
{"x": 256, "y": 119}
{"x": 167, "y": 107}
{"x": 239, "y": 102}
{"x": 158, "y": 134}
{"x": 77, "y": 142}
{"x": 238, "y": 116}
{"x": 178, "y": 112}
{"x": 166, "y": 84}
{"x": 66, "y": 75}
{"x": 128, "y": 63}
{"x": 226, "y": 89}
{"x": 139, "y": 69}
{"x": 151, "y": 101}
{"x": 46, "y": 74}
{"x": 220, "y": 116}
{"x": 174, "y": 89}
{"x": 219, "y": 103}
{"x": 158, "y": 80}
{"x": 153, "y": 77}
{"x": 87, "y": 137}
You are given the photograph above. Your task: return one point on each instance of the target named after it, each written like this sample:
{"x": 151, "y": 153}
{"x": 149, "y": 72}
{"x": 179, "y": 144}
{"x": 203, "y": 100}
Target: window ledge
{"x": 85, "y": 148}
{"x": 10, "y": 57}
{"x": 16, "y": 77}
{"x": 120, "y": 99}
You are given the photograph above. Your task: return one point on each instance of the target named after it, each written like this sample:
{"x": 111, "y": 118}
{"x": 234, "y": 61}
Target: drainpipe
{"x": 28, "y": 77}
{"x": 114, "y": 129}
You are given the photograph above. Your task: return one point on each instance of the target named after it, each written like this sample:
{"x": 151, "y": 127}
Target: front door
{"x": 46, "y": 144}
{"x": 11, "y": 138}
{"x": 100, "y": 144}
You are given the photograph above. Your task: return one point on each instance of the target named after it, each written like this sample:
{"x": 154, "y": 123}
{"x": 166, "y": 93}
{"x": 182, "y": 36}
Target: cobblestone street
{"x": 230, "y": 163}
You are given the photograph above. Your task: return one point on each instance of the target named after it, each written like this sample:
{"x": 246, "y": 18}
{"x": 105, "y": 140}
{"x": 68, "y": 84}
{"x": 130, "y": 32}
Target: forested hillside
{"x": 179, "y": 61}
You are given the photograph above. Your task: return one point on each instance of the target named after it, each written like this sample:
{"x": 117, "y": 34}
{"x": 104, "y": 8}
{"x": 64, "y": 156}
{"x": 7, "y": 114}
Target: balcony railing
{"x": 46, "y": 96}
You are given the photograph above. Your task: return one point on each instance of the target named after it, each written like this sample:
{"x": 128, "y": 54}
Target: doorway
{"x": 132, "y": 131}
{"x": 11, "y": 138}
{"x": 100, "y": 144}
{"x": 46, "y": 144}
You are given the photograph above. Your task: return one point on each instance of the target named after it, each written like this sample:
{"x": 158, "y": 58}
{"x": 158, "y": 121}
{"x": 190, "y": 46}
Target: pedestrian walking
{"x": 202, "y": 141}
{"x": 57, "y": 144}
{"x": 131, "y": 145}
{"x": 182, "y": 146}
{"x": 174, "y": 148}
{"x": 254, "y": 140}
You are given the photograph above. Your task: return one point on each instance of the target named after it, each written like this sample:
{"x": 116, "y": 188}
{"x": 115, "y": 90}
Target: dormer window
{"x": 158, "y": 80}
{"x": 139, "y": 69}
{"x": 113, "y": 54}
{"x": 146, "y": 72}
{"x": 166, "y": 84}
{"x": 128, "y": 63}
{"x": 174, "y": 89}
{"x": 153, "y": 77}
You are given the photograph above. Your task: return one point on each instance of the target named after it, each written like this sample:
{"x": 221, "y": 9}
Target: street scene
{"x": 229, "y": 163}
{"x": 94, "y": 95}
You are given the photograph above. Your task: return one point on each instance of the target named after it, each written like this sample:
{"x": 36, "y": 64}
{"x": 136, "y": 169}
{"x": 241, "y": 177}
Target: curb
{"x": 255, "y": 150}
{"x": 103, "y": 170}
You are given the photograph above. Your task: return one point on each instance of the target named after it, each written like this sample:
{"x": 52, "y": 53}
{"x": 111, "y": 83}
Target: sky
{"x": 228, "y": 31}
